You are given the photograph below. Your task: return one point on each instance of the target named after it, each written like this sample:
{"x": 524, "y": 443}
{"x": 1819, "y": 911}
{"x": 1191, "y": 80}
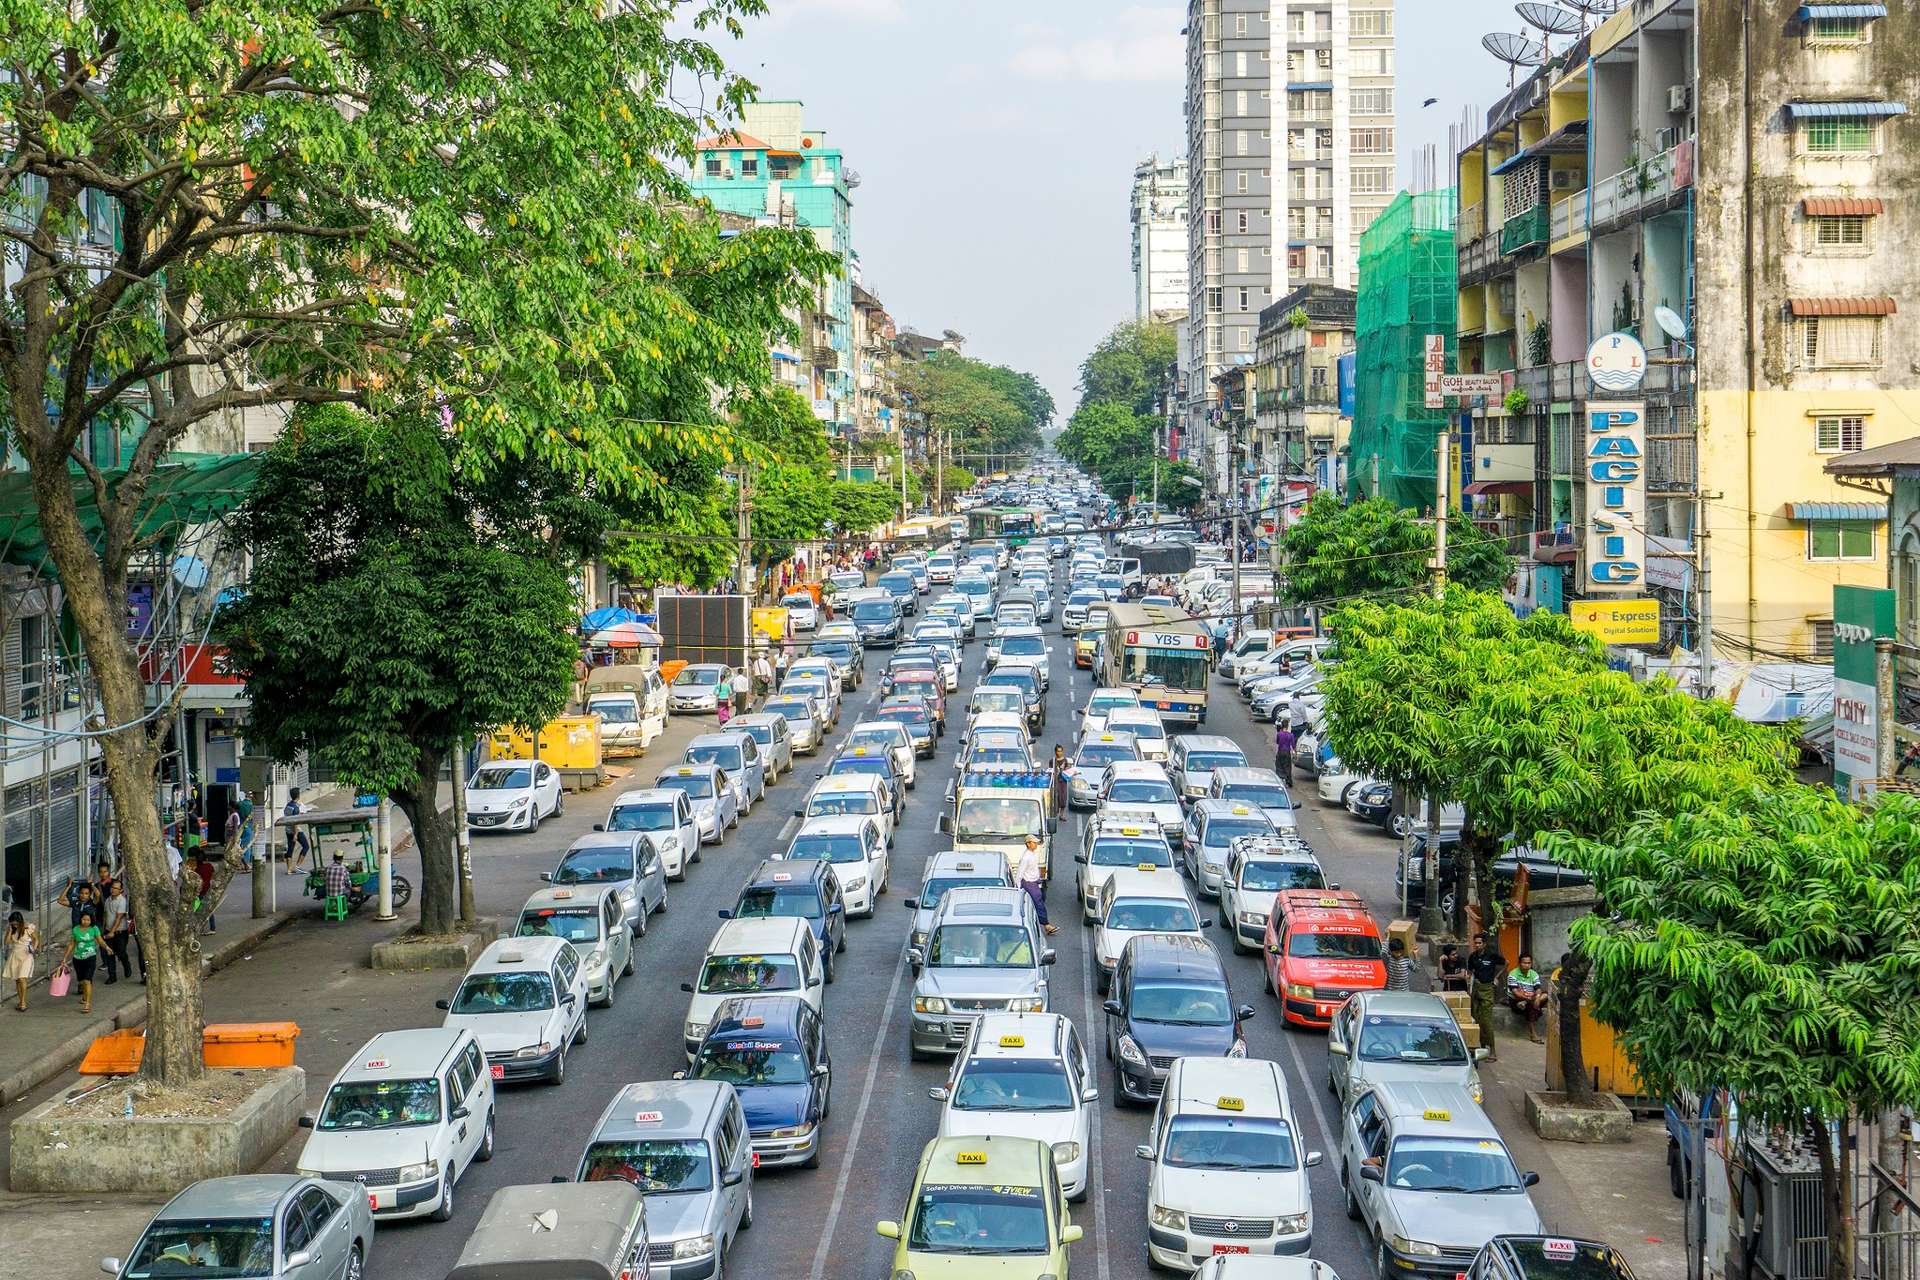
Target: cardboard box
{"x": 1469, "y": 1032}
{"x": 1408, "y": 931}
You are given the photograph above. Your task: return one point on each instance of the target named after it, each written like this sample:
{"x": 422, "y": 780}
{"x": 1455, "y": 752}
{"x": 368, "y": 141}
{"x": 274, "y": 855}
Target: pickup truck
{"x": 994, "y": 808}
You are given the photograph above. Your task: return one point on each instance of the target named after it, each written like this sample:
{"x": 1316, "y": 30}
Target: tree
{"x": 398, "y": 606}
{"x": 697, "y": 546}
{"x": 1767, "y": 944}
{"x": 785, "y": 428}
{"x": 1374, "y": 547}
{"x": 862, "y": 505}
{"x": 789, "y": 504}
{"x": 223, "y": 207}
{"x": 984, "y": 408}
{"x": 1132, "y": 366}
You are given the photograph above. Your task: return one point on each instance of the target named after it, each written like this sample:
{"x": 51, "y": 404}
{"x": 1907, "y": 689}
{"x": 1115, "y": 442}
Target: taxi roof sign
{"x": 1129, "y": 831}
{"x": 1230, "y": 1104}
{"x": 970, "y": 1157}
{"x": 1146, "y": 866}
{"x": 1240, "y": 811}
{"x": 684, "y": 771}
{"x": 1436, "y": 1113}
{"x": 376, "y": 1064}
{"x": 1013, "y": 1042}
{"x": 753, "y": 1022}
{"x": 647, "y": 1117}
{"x": 563, "y": 893}
{"x": 1559, "y": 1248}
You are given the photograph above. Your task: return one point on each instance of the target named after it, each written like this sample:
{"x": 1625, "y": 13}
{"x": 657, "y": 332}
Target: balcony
{"x": 1570, "y": 216}
{"x": 1524, "y": 230}
{"x": 1471, "y": 224}
{"x": 1627, "y": 191}
{"x": 1555, "y": 546}
{"x": 1673, "y": 464}
{"x": 1567, "y": 375}
{"x": 1478, "y": 256}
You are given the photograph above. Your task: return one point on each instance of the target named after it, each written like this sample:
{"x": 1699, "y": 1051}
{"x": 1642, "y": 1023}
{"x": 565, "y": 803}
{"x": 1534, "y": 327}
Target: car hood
{"x": 502, "y": 1032}
{"x": 1199, "y": 780}
{"x": 1258, "y": 901}
{"x": 1229, "y": 1193}
{"x": 936, "y": 1266}
{"x": 351, "y": 1150}
{"x": 1460, "y": 1073}
{"x": 970, "y": 983}
{"x": 1046, "y": 1126}
{"x": 1282, "y": 819}
{"x": 1457, "y": 1221}
{"x": 1168, "y": 1040}
{"x": 775, "y": 1106}
{"x": 679, "y": 1214}
{"x": 1338, "y": 973}
{"x": 494, "y": 801}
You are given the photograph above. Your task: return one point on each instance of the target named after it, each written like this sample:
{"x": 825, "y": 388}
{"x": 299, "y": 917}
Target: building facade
{"x": 1296, "y": 412}
{"x": 875, "y": 398}
{"x": 1159, "y": 218}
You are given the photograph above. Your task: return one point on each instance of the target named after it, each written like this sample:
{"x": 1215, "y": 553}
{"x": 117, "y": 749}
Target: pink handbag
{"x": 61, "y": 982}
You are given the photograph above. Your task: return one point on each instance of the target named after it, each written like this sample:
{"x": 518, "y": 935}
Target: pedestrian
{"x": 723, "y": 697}
{"x": 762, "y": 674}
{"x": 1284, "y": 740}
{"x": 22, "y": 941}
{"x": 1453, "y": 969}
{"x": 1399, "y": 967}
{"x": 297, "y": 845}
{"x": 201, "y": 868}
{"x": 78, "y": 897}
{"x": 83, "y": 951}
{"x": 1527, "y": 993}
{"x": 1059, "y": 780}
{"x": 231, "y": 837}
{"x": 1485, "y": 967}
{"x": 1030, "y": 876}
{"x": 118, "y": 933}
{"x": 1297, "y": 713}
{"x": 338, "y": 882}
{"x": 247, "y": 831}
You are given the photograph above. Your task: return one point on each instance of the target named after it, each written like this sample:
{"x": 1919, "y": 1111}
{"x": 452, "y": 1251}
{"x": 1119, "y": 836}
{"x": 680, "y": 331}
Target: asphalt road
{"x": 819, "y": 1223}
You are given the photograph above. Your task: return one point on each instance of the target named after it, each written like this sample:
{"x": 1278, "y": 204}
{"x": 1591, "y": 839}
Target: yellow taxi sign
{"x": 1146, "y": 866}
{"x": 1013, "y": 1042}
{"x": 1241, "y": 810}
{"x": 562, "y": 893}
{"x": 1328, "y": 902}
{"x": 684, "y": 772}
{"x": 859, "y": 751}
{"x": 1129, "y": 831}
{"x": 970, "y": 1157}
{"x": 1106, "y": 737}
{"x": 1231, "y": 1104}
{"x": 1436, "y": 1113}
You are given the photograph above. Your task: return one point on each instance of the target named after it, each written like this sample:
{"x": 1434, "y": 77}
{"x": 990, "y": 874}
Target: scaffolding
{"x": 1407, "y": 290}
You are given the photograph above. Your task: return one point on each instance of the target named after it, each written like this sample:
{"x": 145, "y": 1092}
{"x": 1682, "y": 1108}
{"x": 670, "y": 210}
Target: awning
{"x": 1808, "y": 12}
{"x": 1513, "y": 161}
{"x": 1800, "y": 307}
{"x": 1841, "y": 207}
{"x": 1836, "y": 511}
{"x": 186, "y": 489}
{"x": 1483, "y": 487}
{"x": 1844, "y": 110}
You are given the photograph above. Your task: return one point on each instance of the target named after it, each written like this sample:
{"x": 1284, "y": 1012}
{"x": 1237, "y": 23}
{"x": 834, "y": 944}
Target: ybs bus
{"x": 1015, "y": 524}
{"x": 1162, "y": 653}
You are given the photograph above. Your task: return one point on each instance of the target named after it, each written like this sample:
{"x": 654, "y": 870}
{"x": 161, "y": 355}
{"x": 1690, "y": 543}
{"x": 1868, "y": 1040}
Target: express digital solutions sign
{"x": 1613, "y": 449}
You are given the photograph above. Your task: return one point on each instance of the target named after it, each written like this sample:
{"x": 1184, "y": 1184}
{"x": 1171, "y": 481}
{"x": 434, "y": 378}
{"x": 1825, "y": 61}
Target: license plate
{"x": 496, "y": 1070}
{"x": 373, "y": 1201}
{"x": 1325, "y": 1010}
{"x": 1230, "y": 1248}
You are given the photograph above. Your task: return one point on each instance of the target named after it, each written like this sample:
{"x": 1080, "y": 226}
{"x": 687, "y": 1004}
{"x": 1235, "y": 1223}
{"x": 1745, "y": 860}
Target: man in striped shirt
{"x": 1399, "y": 967}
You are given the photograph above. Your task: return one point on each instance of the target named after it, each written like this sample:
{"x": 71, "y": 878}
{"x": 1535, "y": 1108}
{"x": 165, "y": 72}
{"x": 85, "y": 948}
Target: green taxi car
{"x": 983, "y": 1208}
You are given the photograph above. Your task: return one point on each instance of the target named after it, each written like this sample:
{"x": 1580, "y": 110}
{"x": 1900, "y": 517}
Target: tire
{"x": 402, "y": 891}
{"x": 443, "y": 1212}
{"x": 1266, "y": 979}
{"x": 746, "y": 1214}
{"x": 1676, "y": 1175}
{"x": 485, "y": 1153}
{"x": 1381, "y": 1267}
{"x": 580, "y": 1036}
{"x": 558, "y": 1076}
{"x": 661, "y": 906}
{"x": 355, "y": 1265}
{"x": 813, "y": 1158}
{"x": 608, "y": 1002}
{"x": 1346, "y": 1194}
{"x": 627, "y": 968}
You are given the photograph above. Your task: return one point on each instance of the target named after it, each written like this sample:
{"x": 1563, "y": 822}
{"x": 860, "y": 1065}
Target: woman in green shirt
{"x": 83, "y": 949}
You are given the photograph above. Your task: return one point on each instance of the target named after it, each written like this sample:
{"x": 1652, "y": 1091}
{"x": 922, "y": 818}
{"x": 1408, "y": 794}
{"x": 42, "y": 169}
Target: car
{"x": 952, "y": 870}
{"x": 695, "y": 688}
{"x": 289, "y": 1226}
{"x": 1322, "y": 945}
{"x": 903, "y": 587}
{"x": 715, "y": 805}
{"x": 623, "y": 861}
{"x": 1087, "y": 767}
{"x": 910, "y": 713}
{"x": 770, "y": 733}
{"x": 667, "y": 815}
{"x": 853, "y": 793}
{"x": 1073, "y": 614}
{"x": 885, "y": 735}
{"x": 1132, "y": 902}
{"x": 1144, "y": 726}
{"x": 1025, "y": 1075}
{"x": 1398, "y": 1035}
{"x": 874, "y": 763}
{"x": 513, "y": 795}
{"x": 1212, "y": 827}
{"x": 802, "y": 610}
{"x": 1259, "y": 869}
{"x": 805, "y": 728}
{"x": 592, "y": 919}
{"x": 842, "y": 653}
{"x": 1114, "y": 839}
{"x": 1336, "y": 780}
{"x": 958, "y": 609}
{"x": 878, "y": 620}
{"x": 997, "y": 745}
{"x": 1100, "y": 703}
{"x": 915, "y": 564}
{"x": 1007, "y": 1185}
{"x": 757, "y": 954}
{"x": 942, "y": 655}
{"x": 1193, "y": 757}
{"x": 773, "y": 1051}
{"x": 1525, "y": 1257}
{"x": 853, "y": 846}
{"x": 1228, "y": 1175}
{"x": 1143, "y": 787}
{"x": 1260, "y": 788}
{"x": 735, "y": 752}
{"x": 823, "y": 689}
{"x": 1429, "y": 1178}
{"x": 803, "y": 889}
{"x": 846, "y": 580}
{"x": 1023, "y": 679}
{"x": 1169, "y": 999}
{"x": 985, "y": 951}
{"x": 525, "y": 999}
{"x": 1373, "y": 802}
{"x": 684, "y": 1144}
{"x": 1020, "y": 641}
{"x": 940, "y": 567}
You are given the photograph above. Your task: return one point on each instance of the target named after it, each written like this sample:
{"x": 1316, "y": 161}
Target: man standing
{"x": 1484, "y": 969}
{"x": 1297, "y": 714}
{"x": 762, "y": 674}
{"x": 1029, "y": 874}
{"x": 1283, "y": 744}
{"x": 1399, "y": 967}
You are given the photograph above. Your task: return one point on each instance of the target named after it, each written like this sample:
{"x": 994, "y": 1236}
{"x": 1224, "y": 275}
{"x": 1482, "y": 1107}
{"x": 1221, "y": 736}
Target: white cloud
{"x": 784, "y": 11}
{"x": 1143, "y": 44}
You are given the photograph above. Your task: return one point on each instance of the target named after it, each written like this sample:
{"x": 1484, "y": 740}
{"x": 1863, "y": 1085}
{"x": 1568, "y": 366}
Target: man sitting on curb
{"x": 1527, "y": 993}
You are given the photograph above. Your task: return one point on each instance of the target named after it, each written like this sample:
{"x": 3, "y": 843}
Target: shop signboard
{"x": 1613, "y": 454}
{"x": 1617, "y": 621}
{"x": 1861, "y": 615}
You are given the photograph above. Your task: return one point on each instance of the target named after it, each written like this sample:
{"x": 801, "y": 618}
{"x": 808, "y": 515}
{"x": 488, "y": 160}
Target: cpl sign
{"x": 1616, "y": 476}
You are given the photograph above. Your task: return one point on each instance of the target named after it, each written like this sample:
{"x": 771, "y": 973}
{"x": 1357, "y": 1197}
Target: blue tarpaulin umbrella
{"x": 601, "y": 619}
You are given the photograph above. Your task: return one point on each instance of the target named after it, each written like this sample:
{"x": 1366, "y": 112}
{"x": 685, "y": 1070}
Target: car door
{"x": 480, "y": 1092}
{"x": 1085, "y": 1090}
{"x": 689, "y": 829}
{"x": 567, "y": 1014}
{"x": 463, "y": 1130}
{"x": 876, "y": 855}
{"x": 546, "y": 789}
{"x": 1344, "y": 1033}
{"x": 755, "y": 766}
{"x": 613, "y": 923}
{"x": 330, "y": 1235}
{"x": 652, "y": 889}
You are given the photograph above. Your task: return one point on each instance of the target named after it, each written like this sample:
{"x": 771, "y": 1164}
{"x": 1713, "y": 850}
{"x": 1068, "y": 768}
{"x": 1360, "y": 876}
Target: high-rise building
{"x": 1159, "y": 237}
{"x": 1290, "y": 150}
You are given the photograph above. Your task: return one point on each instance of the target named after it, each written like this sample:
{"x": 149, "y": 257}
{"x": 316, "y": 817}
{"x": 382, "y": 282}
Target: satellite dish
{"x": 1670, "y": 323}
{"x": 1599, "y": 8}
{"x": 1555, "y": 22}
{"x": 1514, "y": 50}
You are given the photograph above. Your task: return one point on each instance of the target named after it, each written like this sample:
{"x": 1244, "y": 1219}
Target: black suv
{"x": 1170, "y": 1000}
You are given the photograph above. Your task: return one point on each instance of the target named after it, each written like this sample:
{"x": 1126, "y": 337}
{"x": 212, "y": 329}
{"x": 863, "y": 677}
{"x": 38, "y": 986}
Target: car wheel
{"x": 608, "y": 1002}
{"x": 560, "y": 805}
{"x": 813, "y": 1158}
{"x": 1381, "y": 1267}
{"x": 580, "y": 1036}
{"x": 746, "y": 1214}
{"x": 1346, "y": 1193}
{"x": 354, "y": 1265}
{"x": 558, "y": 1075}
{"x": 661, "y": 905}
{"x": 841, "y": 945}
{"x": 1676, "y": 1177}
{"x": 485, "y": 1153}
{"x": 443, "y": 1211}
{"x": 627, "y": 968}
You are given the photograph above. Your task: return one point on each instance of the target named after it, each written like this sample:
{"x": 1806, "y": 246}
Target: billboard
{"x": 1613, "y": 457}
{"x": 1617, "y": 621}
{"x": 1861, "y": 615}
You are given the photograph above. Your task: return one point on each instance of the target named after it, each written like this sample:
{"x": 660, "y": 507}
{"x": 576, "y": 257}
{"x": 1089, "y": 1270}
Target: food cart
{"x": 348, "y": 832}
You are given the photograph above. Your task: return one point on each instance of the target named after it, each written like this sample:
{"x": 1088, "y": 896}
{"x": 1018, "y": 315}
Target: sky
{"x": 996, "y": 141}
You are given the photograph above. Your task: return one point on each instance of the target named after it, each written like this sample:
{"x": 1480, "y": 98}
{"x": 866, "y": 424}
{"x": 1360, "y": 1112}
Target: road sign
{"x": 1436, "y": 369}
{"x": 1472, "y": 384}
{"x": 1617, "y": 621}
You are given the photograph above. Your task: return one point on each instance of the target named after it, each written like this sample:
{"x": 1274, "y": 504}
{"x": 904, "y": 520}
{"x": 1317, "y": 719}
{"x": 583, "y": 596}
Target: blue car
{"x": 773, "y": 1051}
{"x": 804, "y": 890}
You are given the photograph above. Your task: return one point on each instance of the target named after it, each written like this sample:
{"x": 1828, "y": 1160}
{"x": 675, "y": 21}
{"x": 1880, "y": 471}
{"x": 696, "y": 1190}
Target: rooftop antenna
{"x": 1515, "y": 50}
{"x": 1551, "y": 22}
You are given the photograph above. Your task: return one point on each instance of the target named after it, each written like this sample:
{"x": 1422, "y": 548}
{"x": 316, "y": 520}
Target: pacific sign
{"x": 1616, "y": 473}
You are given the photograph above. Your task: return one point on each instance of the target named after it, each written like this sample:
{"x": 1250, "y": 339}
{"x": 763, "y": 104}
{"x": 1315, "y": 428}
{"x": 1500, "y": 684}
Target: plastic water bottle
{"x": 127, "y": 1111}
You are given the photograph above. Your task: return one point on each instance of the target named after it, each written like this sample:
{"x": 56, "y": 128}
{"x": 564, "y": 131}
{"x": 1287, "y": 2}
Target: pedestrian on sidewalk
{"x": 1399, "y": 966}
{"x": 723, "y": 698}
{"x": 1283, "y": 744}
{"x": 1485, "y": 967}
{"x": 83, "y": 951}
{"x": 1453, "y": 970}
{"x": 200, "y": 872}
{"x": 78, "y": 897}
{"x": 22, "y": 941}
{"x": 118, "y": 933}
{"x": 297, "y": 846}
{"x": 762, "y": 674}
{"x": 1030, "y": 876}
{"x": 1527, "y": 993}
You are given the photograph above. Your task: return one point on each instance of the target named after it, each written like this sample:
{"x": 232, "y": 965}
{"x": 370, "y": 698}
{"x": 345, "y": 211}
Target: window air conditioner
{"x": 1568, "y": 179}
{"x": 1679, "y": 97}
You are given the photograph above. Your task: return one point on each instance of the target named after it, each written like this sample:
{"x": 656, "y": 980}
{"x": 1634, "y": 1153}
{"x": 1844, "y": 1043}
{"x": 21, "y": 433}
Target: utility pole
{"x": 744, "y": 532}
{"x": 1442, "y": 451}
{"x": 1233, "y": 496}
{"x": 1703, "y": 583}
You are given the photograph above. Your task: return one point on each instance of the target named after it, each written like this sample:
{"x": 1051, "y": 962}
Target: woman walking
{"x": 118, "y": 933}
{"x": 83, "y": 950}
{"x": 21, "y": 941}
{"x": 723, "y": 698}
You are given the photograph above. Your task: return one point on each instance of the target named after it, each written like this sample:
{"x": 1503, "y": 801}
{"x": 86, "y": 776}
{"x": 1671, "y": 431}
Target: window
{"x": 1839, "y": 540}
{"x": 713, "y": 166}
{"x": 1838, "y": 31}
{"x": 1370, "y": 22}
{"x": 1240, "y": 142}
{"x": 1822, "y": 637}
{"x": 1241, "y": 218}
{"x": 1296, "y": 259}
{"x": 1213, "y": 299}
{"x": 1246, "y": 339}
{"x": 1240, "y": 181}
{"x": 1841, "y": 231}
{"x": 1240, "y": 63}
{"x": 1213, "y": 221}
{"x": 1246, "y": 294}
{"x": 750, "y": 166}
{"x": 1372, "y": 102}
{"x": 1239, "y": 24}
{"x": 1840, "y": 435}
{"x": 1368, "y": 62}
{"x": 1836, "y": 137}
{"x": 1240, "y": 259}
{"x": 1240, "y": 102}
{"x": 1840, "y": 342}
{"x": 1372, "y": 181}
{"x": 1372, "y": 142}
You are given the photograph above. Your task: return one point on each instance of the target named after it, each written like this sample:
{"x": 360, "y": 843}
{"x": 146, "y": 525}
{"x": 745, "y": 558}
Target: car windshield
{"x": 1271, "y": 877}
{"x": 1152, "y": 915}
{"x": 575, "y": 924}
{"x": 744, "y": 1060}
{"x": 595, "y": 866}
{"x": 1261, "y": 795}
{"x": 724, "y": 754}
{"x": 1138, "y": 728}
{"x": 1014, "y": 677}
{"x": 911, "y": 717}
{"x": 205, "y": 1248}
{"x": 1187, "y": 1006}
{"x": 996, "y": 817}
{"x": 659, "y": 1166}
{"x": 878, "y": 738}
{"x": 831, "y": 649}
{"x": 698, "y": 786}
{"x": 1334, "y": 946}
{"x": 825, "y": 847}
{"x": 501, "y": 778}
{"x": 642, "y": 818}
{"x": 996, "y": 700}
{"x": 1561, "y": 1259}
{"x": 1222, "y": 832}
{"x": 980, "y": 946}
{"x": 504, "y": 993}
{"x": 701, "y": 675}
{"x": 1474, "y": 1166}
{"x": 798, "y": 901}
{"x": 1104, "y": 753}
{"x": 1142, "y": 791}
{"x": 800, "y": 601}
{"x": 760, "y": 733}
{"x": 1422, "y": 1040}
{"x": 879, "y": 765}
{"x": 842, "y": 802}
{"x": 898, "y": 583}
{"x": 380, "y": 1104}
{"x": 734, "y": 975}
{"x": 936, "y": 889}
{"x": 1250, "y": 1144}
{"x": 965, "y": 1219}
{"x": 1205, "y": 761}
{"x": 614, "y": 710}
{"x": 873, "y": 611}
{"x": 1120, "y": 851}
{"x": 793, "y": 709}
{"x": 1013, "y": 1084}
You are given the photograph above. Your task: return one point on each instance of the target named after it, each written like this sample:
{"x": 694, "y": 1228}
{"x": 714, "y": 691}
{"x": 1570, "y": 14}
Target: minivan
{"x": 1193, "y": 757}
{"x": 776, "y": 955}
{"x": 985, "y": 952}
{"x": 1170, "y": 999}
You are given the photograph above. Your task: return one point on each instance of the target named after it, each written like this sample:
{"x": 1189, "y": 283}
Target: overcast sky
{"x": 996, "y": 141}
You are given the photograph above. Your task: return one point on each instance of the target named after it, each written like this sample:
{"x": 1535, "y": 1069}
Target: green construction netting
{"x": 186, "y": 489}
{"x": 1408, "y": 289}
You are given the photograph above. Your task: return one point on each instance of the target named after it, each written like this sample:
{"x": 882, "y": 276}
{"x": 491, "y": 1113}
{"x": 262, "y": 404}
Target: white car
{"x": 512, "y": 795}
{"x": 525, "y": 1000}
{"x": 594, "y": 920}
{"x": 1116, "y": 839}
{"x": 851, "y": 793}
{"x": 406, "y": 1117}
{"x": 1133, "y": 902}
{"x": 1336, "y": 781}
{"x": 1105, "y": 700}
{"x": 1259, "y": 869}
{"x": 1025, "y": 1075}
{"x": 885, "y": 735}
{"x": 762, "y": 955}
{"x": 1143, "y": 787}
{"x": 1144, "y": 723}
{"x": 802, "y": 612}
{"x": 667, "y": 815}
{"x": 854, "y": 847}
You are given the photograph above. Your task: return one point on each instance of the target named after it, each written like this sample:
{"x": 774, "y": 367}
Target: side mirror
{"x": 1113, "y": 1007}
{"x": 298, "y": 1259}
{"x": 820, "y": 1071}
{"x": 679, "y": 1075}
{"x": 1246, "y": 1012}
{"x": 726, "y": 913}
{"x": 733, "y": 1177}
{"x": 1080, "y": 858}
{"x": 1529, "y": 1179}
{"x": 110, "y": 1265}
{"x": 1480, "y": 1054}
{"x": 1049, "y": 956}
{"x": 817, "y": 982}
{"x": 1338, "y": 1048}
{"x": 912, "y": 904}
{"x": 1372, "y": 1173}
{"x": 1070, "y": 1235}
{"x": 1334, "y": 885}
{"x": 1273, "y": 948}
{"x": 1314, "y": 1158}
{"x": 599, "y": 826}
{"x": 837, "y": 909}
{"x": 891, "y": 1230}
{"x": 687, "y": 987}
{"x": 306, "y": 1122}
{"x": 569, "y": 999}
{"x": 1090, "y": 1095}
{"x": 459, "y": 1113}
{"x": 940, "y": 1094}
{"x": 548, "y": 875}
{"x": 1144, "y": 1151}
{"x": 942, "y": 824}
{"x": 443, "y": 1004}
{"x": 915, "y": 958}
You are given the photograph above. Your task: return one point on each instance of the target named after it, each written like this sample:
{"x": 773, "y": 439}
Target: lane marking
{"x": 1096, "y": 1169}
{"x": 787, "y": 829}
{"x": 1310, "y": 1086}
{"x": 820, "y": 1253}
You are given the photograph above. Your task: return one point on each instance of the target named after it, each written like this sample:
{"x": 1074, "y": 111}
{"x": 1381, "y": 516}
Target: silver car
{"x": 951, "y": 870}
{"x": 624, "y": 861}
{"x": 803, "y": 717}
{"x": 985, "y": 953}
{"x": 771, "y": 730}
{"x": 1389, "y": 1037}
{"x": 281, "y": 1225}
{"x": 715, "y": 807}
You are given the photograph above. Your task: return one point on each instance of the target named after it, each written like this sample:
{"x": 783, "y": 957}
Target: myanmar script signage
{"x": 1613, "y": 453}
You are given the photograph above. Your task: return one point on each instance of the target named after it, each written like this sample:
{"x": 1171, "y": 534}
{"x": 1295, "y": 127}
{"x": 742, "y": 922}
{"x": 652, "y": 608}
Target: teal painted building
{"x": 772, "y": 168}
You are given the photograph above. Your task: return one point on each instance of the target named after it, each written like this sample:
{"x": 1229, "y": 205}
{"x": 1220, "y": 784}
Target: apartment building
{"x": 1291, "y": 152}
{"x": 875, "y": 399}
{"x": 1296, "y": 408}
{"x": 1158, "y": 213}
{"x": 1719, "y": 179}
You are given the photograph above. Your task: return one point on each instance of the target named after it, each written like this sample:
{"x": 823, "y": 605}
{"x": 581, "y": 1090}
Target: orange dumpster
{"x": 223, "y": 1044}
{"x": 671, "y": 668}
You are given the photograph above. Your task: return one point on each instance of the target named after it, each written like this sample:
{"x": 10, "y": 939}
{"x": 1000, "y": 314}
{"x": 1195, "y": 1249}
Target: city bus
{"x": 1017, "y": 525}
{"x": 1163, "y": 654}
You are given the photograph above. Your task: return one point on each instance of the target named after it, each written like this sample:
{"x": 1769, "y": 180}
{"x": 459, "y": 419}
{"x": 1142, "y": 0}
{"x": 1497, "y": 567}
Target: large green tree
{"x": 1374, "y": 547}
{"x": 981, "y": 409}
{"x": 223, "y": 206}
{"x": 1132, "y": 366}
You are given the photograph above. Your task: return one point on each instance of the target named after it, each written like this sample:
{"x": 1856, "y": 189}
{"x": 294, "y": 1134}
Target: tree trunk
{"x": 1831, "y": 1150}
{"x": 1462, "y": 881}
{"x": 433, "y": 836}
{"x": 1568, "y": 995}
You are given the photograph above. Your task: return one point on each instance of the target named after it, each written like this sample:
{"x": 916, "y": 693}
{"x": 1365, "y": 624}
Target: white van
{"x": 525, "y": 999}
{"x": 764, "y": 955}
{"x": 632, "y": 705}
{"x": 405, "y": 1117}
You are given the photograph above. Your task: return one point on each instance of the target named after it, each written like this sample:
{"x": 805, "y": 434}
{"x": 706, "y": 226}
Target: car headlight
{"x": 534, "y": 1050}
{"x": 857, "y": 882}
{"x": 1418, "y": 1248}
{"x": 1293, "y": 1224}
{"x": 1066, "y": 1152}
{"x": 671, "y": 844}
{"x": 1300, "y": 990}
{"x": 796, "y": 1131}
{"x": 1215, "y": 867}
{"x": 1473, "y": 1086}
{"x": 929, "y": 1004}
{"x": 626, "y": 893}
{"x": 692, "y": 1247}
{"x": 1026, "y": 1004}
{"x": 1239, "y": 1049}
{"x": 422, "y": 1172}
{"x": 1171, "y": 1219}
{"x": 1130, "y": 1052}
{"x": 596, "y": 961}
{"x": 1253, "y": 918}
{"x": 697, "y": 1030}
{"x": 522, "y": 802}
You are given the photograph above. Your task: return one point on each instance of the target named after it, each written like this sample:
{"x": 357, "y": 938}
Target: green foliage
{"x": 1105, "y": 436}
{"x": 1517, "y": 401}
{"x": 1375, "y": 547}
{"x": 785, "y": 428}
{"x": 863, "y": 505}
{"x": 790, "y": 504}
{"x": 988, "y": 408}
{"x": 694, "y": 545}
{"x": 1132, "y": 366}
{"x": 1476, "y": 559}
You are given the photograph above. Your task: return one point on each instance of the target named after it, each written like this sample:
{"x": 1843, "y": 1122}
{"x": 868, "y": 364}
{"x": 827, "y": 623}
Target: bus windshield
{"x": 1169, "y": 668}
